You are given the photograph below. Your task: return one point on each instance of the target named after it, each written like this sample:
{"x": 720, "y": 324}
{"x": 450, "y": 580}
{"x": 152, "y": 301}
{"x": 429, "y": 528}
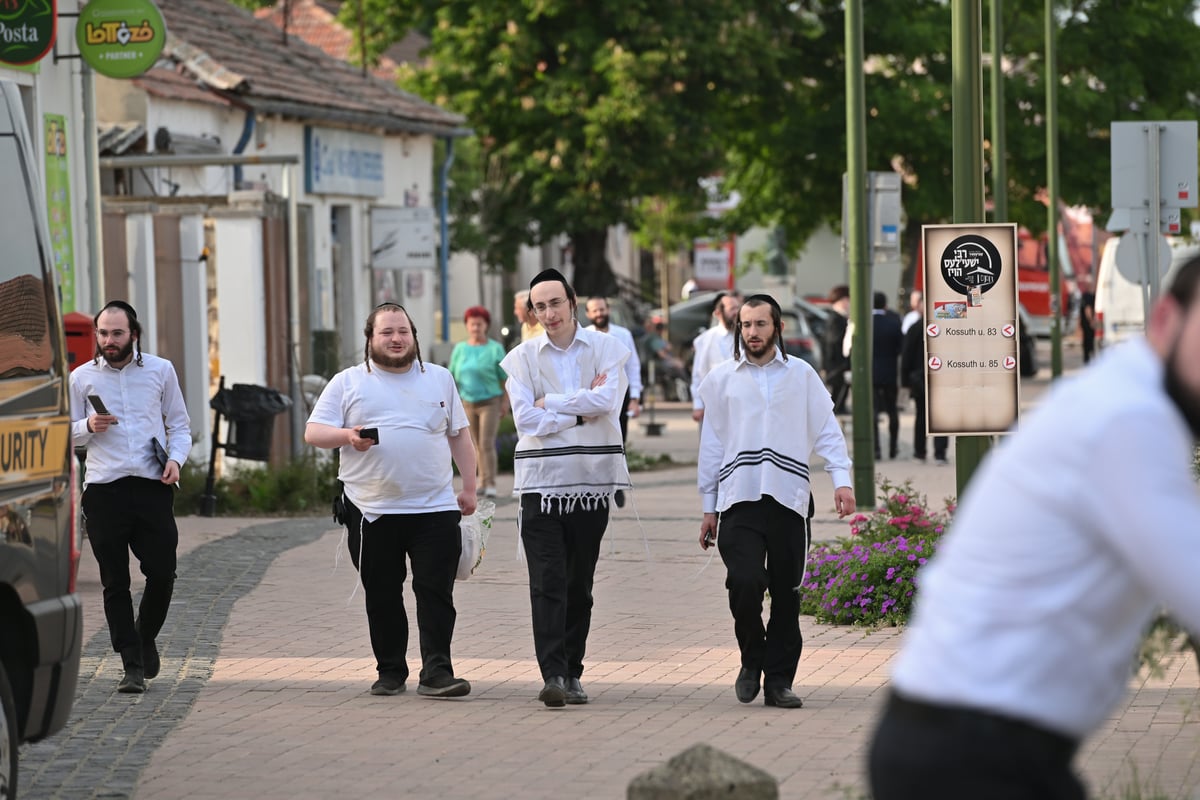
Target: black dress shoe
{"x": 746, "y": 686}
{"x": 576, "y": 696}
{"x": 150, "y": 659}
{"x": 554, "y": 693}
{"x": 134, "y": 681}
{"x": 782, "y": 698}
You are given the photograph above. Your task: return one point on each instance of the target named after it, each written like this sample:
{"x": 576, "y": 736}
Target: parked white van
{"x": 1121, "y": 303}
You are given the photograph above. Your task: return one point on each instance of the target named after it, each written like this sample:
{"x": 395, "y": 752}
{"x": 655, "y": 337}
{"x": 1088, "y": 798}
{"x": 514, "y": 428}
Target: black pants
{"x": 133, "y": 515}
{"x": 886, "y": 395}
{"x": 433, "y": 543}
{"x": 1089, "y": 343}
{"x": 625, "y": 417}
{"x": 561, "y": 550}
{"x": 927, "y": 752}
{"x": 763, "y": 545}
{"x": 940, "y": 443}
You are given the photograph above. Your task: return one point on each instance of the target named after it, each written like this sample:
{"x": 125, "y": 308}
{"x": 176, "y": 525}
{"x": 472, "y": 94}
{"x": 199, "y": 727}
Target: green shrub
{"x": 869, "y": 578}
{"x": 304, "y": 485}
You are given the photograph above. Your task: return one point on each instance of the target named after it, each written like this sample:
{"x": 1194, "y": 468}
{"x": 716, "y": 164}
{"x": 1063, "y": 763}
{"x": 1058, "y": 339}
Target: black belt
{"x": 1056, "y": 745}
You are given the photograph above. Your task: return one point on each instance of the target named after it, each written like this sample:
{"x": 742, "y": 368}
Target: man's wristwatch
{"x": 578, "y": 420}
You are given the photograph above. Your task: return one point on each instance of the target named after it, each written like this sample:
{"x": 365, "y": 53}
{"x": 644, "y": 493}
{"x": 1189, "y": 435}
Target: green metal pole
{"x": 1052, "y": 190}
{"x": 966, "y": 42}
{"x": 999, "y": 152}
{"x": 861, "y": 398}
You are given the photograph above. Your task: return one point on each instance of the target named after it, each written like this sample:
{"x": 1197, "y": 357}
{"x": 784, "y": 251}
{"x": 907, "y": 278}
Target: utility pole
{"x": 861, "y": 387}
{"x": 1052, "y": 190}
{"x": 966, "y": 42}
{"x": 999, "y": 150}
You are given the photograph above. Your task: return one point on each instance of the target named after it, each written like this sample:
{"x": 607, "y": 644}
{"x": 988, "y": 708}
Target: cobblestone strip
{"x": 110, "y": 737}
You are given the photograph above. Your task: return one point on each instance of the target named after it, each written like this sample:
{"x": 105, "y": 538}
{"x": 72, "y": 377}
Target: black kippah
{"x": 548, "y": 275}
{"x": 764, "y": 298}
{"x": 123, "y": 306}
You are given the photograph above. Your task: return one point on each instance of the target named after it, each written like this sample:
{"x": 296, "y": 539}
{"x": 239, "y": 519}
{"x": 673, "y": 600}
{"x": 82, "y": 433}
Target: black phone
{"x": 710, "y": 538}
{"x": 370, "y": 433}
{"x": 98, "y": 404}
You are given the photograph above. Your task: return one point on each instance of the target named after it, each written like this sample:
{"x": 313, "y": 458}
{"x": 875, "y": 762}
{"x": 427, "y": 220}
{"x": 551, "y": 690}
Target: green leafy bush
{"x": 304, "y": 485}
{"x": 869, "y": 578}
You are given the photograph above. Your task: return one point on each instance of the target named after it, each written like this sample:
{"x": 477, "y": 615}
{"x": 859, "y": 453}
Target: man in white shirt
{"x": 598, "y": 315}
{"x": 915, "y": 304}
{"x": 565, "y": 389}
{"x": 397, "y": 429}
{"x": 765, "y": 414}
{"x": 127, "y": 501}
{"x": 714, "y": 345}
{"x": 1070, "y": 538}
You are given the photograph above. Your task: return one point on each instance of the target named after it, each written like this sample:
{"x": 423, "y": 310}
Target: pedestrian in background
{"x": 886, "y": 342}
{"x": 835, "y": 357}
{"x": 598, "y": 314}
{"x": 475, "y": 365}
{"x": 1087, "y": 324}
{"x": 565, "y": 388}
{"x": 530, "y": 327}
{"x": 765, "y": 415}
{"x": 714, "y": 345}
{"x": 397, "y": 429}
{"x": 916, "y": 305}
{"x": 1071, "y": 537}
{"x": 912, "y": 376}
{"x": 128, "y": 500}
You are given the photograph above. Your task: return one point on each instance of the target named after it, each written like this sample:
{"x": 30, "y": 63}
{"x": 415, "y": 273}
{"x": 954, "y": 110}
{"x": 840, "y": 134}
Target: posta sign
{"x": 120, "y": 38}
{"x": 27, "y": 29}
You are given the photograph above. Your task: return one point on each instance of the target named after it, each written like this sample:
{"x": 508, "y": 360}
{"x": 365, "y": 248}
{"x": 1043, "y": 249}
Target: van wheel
{"x": 8, "y": 739}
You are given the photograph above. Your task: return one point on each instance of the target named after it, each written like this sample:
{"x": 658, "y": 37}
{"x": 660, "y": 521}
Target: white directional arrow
{"x": 933, "y": 329}
{"x": 1009, "y": 331}
{"x": 1010, "y": 362}
{"x": 935, "y": 363}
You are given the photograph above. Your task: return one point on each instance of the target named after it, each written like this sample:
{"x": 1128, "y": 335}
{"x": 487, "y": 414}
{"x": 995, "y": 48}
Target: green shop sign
{"x": 120, "y": 38}
{"x": 27, "y": 29}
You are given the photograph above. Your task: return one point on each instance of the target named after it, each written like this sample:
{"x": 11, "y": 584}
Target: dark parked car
{"x": 41, "y": 622}
{"x": 688, "y": 318}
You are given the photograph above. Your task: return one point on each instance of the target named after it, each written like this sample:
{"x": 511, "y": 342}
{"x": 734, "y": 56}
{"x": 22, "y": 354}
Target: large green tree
{"x": 592, "y": 107}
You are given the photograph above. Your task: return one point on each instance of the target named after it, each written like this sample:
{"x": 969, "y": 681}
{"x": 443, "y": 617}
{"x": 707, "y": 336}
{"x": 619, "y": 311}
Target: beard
{"x": 761, "y": 349}
{"x": 1185, "y": 399}
{"x": 121, "y": 354}
{"x": 381, "y": 358}
{"x": 601, "y": 322}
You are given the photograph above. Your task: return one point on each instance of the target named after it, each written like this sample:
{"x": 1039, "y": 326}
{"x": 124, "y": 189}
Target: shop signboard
{"x": 27, "y": 30}
{"x": 120, "y": 38}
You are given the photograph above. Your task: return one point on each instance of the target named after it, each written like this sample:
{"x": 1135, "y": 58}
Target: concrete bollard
{"x": 703, "y": 773}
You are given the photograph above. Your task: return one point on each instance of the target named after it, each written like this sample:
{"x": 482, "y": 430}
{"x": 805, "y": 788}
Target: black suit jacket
{"x": 886, "y": 343}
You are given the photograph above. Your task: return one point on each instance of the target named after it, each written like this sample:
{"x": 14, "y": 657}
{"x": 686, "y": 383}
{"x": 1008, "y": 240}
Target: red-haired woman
{"x": 475, "y": 365}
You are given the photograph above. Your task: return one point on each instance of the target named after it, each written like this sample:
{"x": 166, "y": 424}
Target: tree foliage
{"x": 593, "y": 106}
{"x": 595, "y": 114}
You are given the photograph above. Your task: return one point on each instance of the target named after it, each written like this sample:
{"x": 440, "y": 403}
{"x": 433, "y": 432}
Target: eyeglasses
{"x": 555, "y": 304}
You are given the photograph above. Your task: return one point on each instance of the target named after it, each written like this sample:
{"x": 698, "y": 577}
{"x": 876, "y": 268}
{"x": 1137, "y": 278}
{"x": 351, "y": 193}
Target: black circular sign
{"x": 971, "y": 262}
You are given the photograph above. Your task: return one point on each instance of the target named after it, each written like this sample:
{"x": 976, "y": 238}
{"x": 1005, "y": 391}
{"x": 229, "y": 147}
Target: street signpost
{"x": 971, "y": 343}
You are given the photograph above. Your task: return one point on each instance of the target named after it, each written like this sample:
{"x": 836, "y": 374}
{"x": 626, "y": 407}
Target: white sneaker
{"x": 489, "y": 491}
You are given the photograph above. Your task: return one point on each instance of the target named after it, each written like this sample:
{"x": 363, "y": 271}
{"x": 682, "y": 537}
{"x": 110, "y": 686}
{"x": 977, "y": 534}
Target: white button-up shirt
{"x": 147, "y": 403}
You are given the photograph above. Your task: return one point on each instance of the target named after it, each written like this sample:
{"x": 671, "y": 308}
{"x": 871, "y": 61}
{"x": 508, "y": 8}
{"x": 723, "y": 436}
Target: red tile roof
{"x": 246, "y": 61}
{"x": 316, "y": 23}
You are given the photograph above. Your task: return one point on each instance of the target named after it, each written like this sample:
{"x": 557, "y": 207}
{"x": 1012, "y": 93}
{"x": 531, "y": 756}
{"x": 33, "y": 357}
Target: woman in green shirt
{"x": 475, "y": 365}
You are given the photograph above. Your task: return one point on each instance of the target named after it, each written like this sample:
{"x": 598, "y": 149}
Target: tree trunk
{"x": 593, "y": 275}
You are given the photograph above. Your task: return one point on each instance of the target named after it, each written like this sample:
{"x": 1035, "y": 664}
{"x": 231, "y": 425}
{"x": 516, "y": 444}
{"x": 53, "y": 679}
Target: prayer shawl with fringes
{"x": 583, "y": 465}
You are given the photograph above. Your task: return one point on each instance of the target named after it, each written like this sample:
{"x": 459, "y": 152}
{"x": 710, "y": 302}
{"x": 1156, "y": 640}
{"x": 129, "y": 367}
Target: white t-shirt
{"x": 408, "y": 472}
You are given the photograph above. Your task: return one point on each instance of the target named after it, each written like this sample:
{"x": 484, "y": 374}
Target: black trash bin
{"x": 251, "y": 411}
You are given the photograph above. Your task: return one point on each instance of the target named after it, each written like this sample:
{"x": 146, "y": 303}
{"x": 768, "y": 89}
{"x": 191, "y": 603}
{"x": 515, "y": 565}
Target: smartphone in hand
{"x": 98, "y": 404}
{"x": 370, "y": 433}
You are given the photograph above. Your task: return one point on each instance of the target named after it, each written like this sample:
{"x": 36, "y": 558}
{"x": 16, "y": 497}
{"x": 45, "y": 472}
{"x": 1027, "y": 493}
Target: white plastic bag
{"x": 475, "y": 530}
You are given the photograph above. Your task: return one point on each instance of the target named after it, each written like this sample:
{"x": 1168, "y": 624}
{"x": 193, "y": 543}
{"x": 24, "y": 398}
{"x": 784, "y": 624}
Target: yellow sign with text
{"x": 31, "y": 449}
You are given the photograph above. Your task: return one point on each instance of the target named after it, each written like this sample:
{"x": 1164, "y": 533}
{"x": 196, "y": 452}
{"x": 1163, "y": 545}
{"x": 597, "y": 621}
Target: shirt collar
{"x": 580, "y": 339}
{"x": 744, "y": 362}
